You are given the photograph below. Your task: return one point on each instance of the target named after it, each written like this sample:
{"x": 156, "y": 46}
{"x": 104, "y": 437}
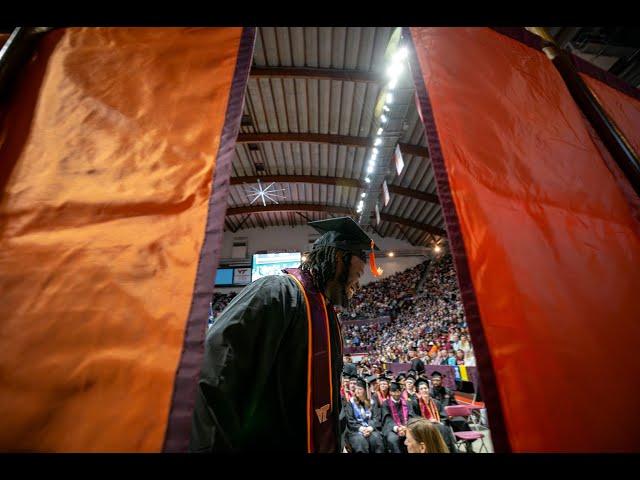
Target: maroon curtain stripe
{"x": 488, "y": 379}
{"x": 188, "y": 372}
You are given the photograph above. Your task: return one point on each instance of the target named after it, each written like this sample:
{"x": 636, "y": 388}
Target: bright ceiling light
{"x": 385, "y": 108}
{"x": 383, "y": 118}
{"x": 394, "y": 70}
{"x": 437, "y": 248}
{"x": 370, "y": 169}
{"x": 392, "y": 84}
{"x": 379, "y": 131}
{"x": 390, "y": 254}
{"x": 368, "y": 180}
{"x": 363, "y": 194}
{"x": 389, "y": 98}
{"x": 400, "y": 54}
{"x": 377, "y": 141}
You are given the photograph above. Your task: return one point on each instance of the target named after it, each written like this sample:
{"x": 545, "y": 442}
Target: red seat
{"x": 465, "y": 437}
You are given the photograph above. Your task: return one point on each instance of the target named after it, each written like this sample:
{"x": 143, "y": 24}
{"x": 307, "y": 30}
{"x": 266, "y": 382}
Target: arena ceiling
{"x": 308, "y": 127}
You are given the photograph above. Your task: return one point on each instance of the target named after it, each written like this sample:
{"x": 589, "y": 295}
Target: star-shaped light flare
{"x": 265, "y": 193}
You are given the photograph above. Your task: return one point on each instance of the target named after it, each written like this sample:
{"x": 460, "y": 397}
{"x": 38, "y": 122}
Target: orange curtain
{"x": 109, "y": 228}
{"x": 546, "y": 244}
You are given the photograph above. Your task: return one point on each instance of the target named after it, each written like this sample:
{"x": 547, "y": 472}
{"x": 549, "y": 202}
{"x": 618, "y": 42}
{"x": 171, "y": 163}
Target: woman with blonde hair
{"x": 423, "y": 436}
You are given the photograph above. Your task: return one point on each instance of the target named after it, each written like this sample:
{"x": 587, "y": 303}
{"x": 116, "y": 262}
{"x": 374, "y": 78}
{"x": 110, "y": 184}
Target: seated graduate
{"x": 446, "y": 397}
{"x": 396, "y": 412}
{"x": 441, "y": 393}
{"x": 383, "y": 389}
{"x": 410, "y": 392}
{"x": 362, "y": 428}
{"x": 433, "y": 411}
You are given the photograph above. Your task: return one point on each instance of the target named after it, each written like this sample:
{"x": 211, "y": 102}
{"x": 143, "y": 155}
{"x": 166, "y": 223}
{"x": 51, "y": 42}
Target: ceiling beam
{"x": 317, "y": 73}
{"x": 309, "y": 207}
{"x": 350, "y": 141}
{"x": 338, "y": 181}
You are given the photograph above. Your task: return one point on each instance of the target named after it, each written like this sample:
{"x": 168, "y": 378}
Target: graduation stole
{"x": 321, "y": 428}
{"x": 394, "y": 411}
{"x": 361, "y": 413}
{"x": 429, "y": 410}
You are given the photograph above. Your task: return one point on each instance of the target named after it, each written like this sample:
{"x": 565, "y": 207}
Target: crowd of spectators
{"x": 426, "y": 316}
{"x": 423, "y": 303}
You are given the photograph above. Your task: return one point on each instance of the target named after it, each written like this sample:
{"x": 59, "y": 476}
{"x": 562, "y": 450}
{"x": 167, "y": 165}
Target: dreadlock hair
{"x": 321, "y": 264}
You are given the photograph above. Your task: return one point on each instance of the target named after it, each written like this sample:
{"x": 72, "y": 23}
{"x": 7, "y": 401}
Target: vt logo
{"x": 322, "y": 413}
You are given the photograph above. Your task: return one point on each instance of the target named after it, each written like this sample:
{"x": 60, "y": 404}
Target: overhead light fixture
{"x": 383, "y": 118}
{"x": 370, "y": 169}
{"x": 389, "y": 98}
{"x": 394, "y": 70}
{"x": 385, "y": 108}
{"x": 437, "y": 248}
{"x": 377, "y": 141}
{"x": 367, "y": 179}
{"x": 374, "y": 152}
{"x": 380, "y": 130}
{"x": 392, "y": 84}
{"x": 400, "y": 54}
{"x": 363, "y": 194}
{"x": 390, "y": 254}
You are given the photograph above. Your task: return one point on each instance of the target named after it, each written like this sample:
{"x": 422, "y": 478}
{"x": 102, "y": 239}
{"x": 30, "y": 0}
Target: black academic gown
{"x": 395, "y": 443}
{"x": 253, "y": 385}
{"x": 443, "y": 427}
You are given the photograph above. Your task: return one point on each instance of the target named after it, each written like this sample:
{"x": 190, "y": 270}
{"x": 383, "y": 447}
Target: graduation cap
{"x": 412, "y": 377}
{"x": 422, "y": 381}
{"x": 395, "y": 387}
{"x": 371, "y": 378}
{"x": 436, "y": 374}
{"x": 344, "y": 233}
{"x": 401, "y": 376}
{"x": 383, "y": 378}
{"x": 361, "y": 383}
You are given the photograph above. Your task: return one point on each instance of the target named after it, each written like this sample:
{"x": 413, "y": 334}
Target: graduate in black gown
{"x": 363, "y": 429}
{"x": 396, "y": 412}
{"x": 252, "y": 392}
{"x": 432, "y": 410}
{"x": 446, "y": 397}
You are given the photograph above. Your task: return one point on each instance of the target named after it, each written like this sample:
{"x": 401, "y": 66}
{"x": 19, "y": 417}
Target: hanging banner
{"x": 398, "y": 160}
{"x": 116, "y": 155}
{"x": 385, "y": 193}
{"x": 544, "y": 238}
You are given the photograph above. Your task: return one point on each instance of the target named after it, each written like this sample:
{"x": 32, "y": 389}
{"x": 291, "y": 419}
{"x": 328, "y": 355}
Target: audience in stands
{"x": 426, "y": 314}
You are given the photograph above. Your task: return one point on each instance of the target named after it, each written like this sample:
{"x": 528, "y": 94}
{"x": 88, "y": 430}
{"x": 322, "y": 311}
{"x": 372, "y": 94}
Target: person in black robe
{"x": 396, "y": 412}
{"x": 362, "y": 432}
{"x": 252, "y": 391}
{"x": 446, "y": 397}
{"x": 432, "y": 410}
